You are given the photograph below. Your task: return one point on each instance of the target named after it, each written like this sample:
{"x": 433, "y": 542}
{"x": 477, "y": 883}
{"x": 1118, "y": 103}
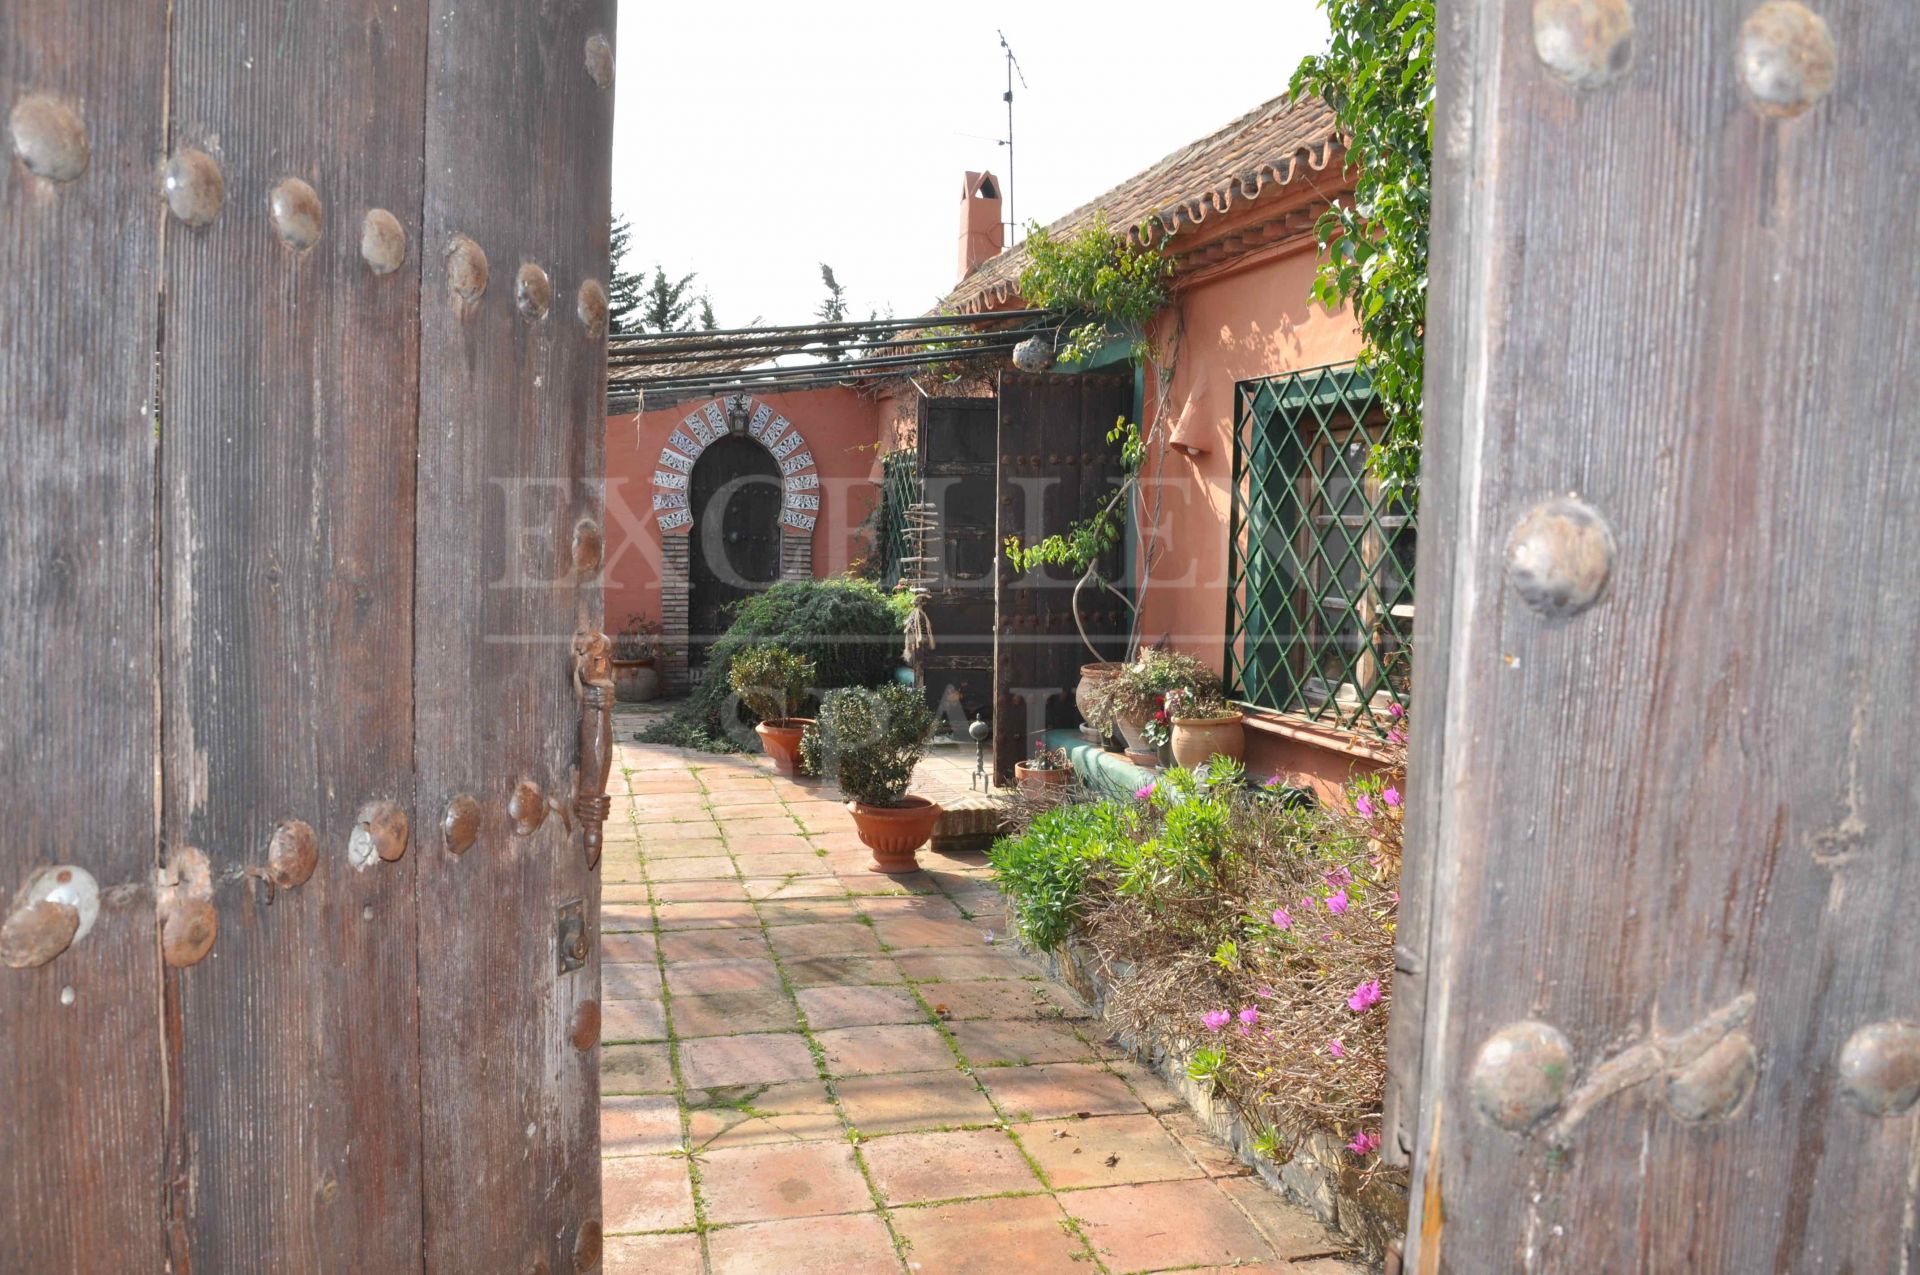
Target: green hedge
{"x": 845, "y": 626}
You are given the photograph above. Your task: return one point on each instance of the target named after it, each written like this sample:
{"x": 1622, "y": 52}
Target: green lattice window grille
{"x": 899, "y": 488}
{"x": 1320, "y": 596}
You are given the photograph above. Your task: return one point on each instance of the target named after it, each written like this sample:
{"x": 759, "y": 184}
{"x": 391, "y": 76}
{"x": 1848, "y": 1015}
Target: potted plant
{"x": 636, "y": 647}
{"x": 773, "y": 683}
{"x": 1136, "y": 695}
{"x": 1205, "y": 725}
{"x": 870, "y": 742}
{"x": 1046, "y": 773}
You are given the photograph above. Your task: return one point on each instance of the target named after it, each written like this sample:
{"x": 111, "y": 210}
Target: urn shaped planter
{"x": 895, "y": 833}
{"x": 780, "y": 737}
{"x": 1197, "y": 740}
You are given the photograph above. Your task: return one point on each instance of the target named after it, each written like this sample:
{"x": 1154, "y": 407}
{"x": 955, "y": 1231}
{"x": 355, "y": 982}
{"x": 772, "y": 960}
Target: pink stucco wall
{"x": 841, "y": 428}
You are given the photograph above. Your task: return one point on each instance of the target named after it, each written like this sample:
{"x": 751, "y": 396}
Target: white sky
{"x": 754, "y": 140}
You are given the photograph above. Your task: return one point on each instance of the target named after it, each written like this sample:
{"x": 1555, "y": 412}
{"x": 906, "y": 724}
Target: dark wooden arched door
{"x": 736, "y": 535}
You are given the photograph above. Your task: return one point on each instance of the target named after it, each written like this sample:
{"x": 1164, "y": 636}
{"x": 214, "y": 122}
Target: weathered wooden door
{"x": 735, "y": 542}
{"x": 300, "y": 384}
{"x": 957, "y": 458}
{"x": 1055, "y": 467}
{"x": 1658, "y": 940}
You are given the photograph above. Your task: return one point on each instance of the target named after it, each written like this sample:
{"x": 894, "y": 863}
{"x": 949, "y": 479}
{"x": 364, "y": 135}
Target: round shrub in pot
{"x": 869, "y": 743}
{"x": 773, "y": 683}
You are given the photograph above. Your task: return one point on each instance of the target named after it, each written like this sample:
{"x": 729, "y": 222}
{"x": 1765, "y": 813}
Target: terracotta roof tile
{"x": 1262, "y": 150}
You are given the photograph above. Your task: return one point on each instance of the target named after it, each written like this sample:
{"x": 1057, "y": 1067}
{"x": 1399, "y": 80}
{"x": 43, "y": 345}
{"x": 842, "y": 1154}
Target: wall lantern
{"x": 739, "y": 412}
{"x": 1191, "y": 433}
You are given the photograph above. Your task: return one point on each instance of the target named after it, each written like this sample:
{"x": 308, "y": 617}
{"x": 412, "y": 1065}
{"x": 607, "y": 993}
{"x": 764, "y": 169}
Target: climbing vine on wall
{"x": 1377, "y": 75}
{"x": 1110, "y": 283}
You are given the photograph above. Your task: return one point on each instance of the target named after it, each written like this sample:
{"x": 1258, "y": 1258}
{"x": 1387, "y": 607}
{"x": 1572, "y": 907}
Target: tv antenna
{"x": 1013, "y": 69}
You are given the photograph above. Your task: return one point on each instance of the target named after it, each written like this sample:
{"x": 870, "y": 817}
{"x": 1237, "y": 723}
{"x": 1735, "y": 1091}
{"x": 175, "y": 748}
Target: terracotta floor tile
{"x": 867, "y": 881}
{"x": 637, "y": 1125}
{"x": 807, "y": 911}
{"x": 846, "y": 971}
{"x": 757, "y": 1115}
{"x": 704, "y": 868}
{"x": 917, "y": 1100}
{"x": 730, "y": 1013}
{"x": 629, "y": 982}
{"x": 665, "y": 848}
{"x": 1106, "y": 1151}
{"x": 623, "y": 894}
{"x": 1000, "y": 1000}
{"x": 709, "y": 914}
{"x": 867, "y": 1051}
{"x": 830, "y": 1007}
{"x": 735, "y": 944}
{"x": 1162, "y": 1224}
{"x": 992, "y": 1237}
{"x": 782, "y": 825}
{"x": 801, "y": 863}
{"x": 627, "y": 949}
{"x": 928, "y": 932}
{"x": 745, "y": 1060}
{"x": 1293, "y": 1232}
{"x": 849, "y": 939}
{"x": 699, "y": 891}
{"x": 1215, "y": 1157}
{"x": 653, "y": 1255}
{"x": 707, "y": 978}
{"x": 734, "y": 813}
{"x": 857, "y": 1244}
{"x": 988, "y": 1042}
{"x": 632, "y": 1020}
{"x": 957, "y": 967}
{"x": 916, "y": 906}
{"x": 914, "y": 1168}
{"x": 755, "y": 1184}
{"x": 1057, "y": 1091}
{"x": 616, "y": 917}
{"x": 635, "y": 1069}
{"x": 645, "y": 1193}
{"x": 769, "y": 843}
{"x": 840, "y": 839}
{"x": 795, "y": 888}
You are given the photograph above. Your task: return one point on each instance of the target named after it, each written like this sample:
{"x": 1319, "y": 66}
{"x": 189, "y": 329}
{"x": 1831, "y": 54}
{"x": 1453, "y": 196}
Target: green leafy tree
{"x": 671, "y": 305}
{"x": 1377, "y": 75}
{"x": 833, "y": 308}
{"x": 623, "y": 285}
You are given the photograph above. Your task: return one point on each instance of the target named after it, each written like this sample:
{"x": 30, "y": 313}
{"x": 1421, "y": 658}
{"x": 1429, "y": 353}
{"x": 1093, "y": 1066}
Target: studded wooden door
{"x": 1658, "y": 941}
{"x": 1055, "y": 468}
{"x": 957, "y": 455}
{"x": 734, "y": 547}
{"x": 301, "y": 383}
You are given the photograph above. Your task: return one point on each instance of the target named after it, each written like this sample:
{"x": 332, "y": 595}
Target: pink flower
{"x": 1365, "y": 996}
{"x": 1394, "y": 710}
{"x": 1337, "y": 1049}
{"x": 1392, "y": 797}
{"x": 1215, "y": 1019}
{"x": 1364, "y": 804}
{"x": 1264, "y": 991}
{"x": 1396, "y": 736}
{"x": 1283, "y": 918}
{"x": 1364, "y": 1143}
{"x": 1143, "y": 792}
{"x": 1339, "y": 876}
{"x": 1337, "y": 901}
{"x": 1273, "y": 781}
{"x": 1249, "y": 1016}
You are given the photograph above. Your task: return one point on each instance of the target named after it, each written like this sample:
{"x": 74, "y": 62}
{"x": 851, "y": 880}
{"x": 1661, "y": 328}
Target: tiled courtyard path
{"x": 809, "y": 1067}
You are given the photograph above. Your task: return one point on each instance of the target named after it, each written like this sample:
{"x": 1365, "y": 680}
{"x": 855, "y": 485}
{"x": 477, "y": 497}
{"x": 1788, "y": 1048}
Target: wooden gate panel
{"x": 1053, "y": 454}
{"x": 286, "y": 450}
{"x": 518, "y": 152}
{"x": 1686, "y": 808}
{"x": 79, "y": 255}
{"x": 957, "y": 465}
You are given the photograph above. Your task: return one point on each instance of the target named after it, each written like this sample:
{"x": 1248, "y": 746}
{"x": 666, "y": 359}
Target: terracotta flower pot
{"x": 1133, "y": 729}
{"x": 780, "y": 736}
{"x": 893, "y": 833}
{"x": 1036, "y": 783}
{"x": 635, "y": 681}
{"x": 1092, "y": 675}
{"x": 1198, "y": 739}
{"x": 1144, "y": 758}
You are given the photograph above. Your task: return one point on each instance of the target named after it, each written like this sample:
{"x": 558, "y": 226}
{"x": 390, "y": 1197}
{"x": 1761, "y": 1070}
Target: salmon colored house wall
{"x": 1257, "y": 320}
{"x": 841, "y": 427}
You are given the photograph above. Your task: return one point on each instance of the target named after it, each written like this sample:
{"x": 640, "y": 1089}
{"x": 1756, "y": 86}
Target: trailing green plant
{"x": 1043, "y": 870}
{"x": 771, "y": 681}
{"x": 1198, "y": 703}
{"x": 870, "y": 741}
{"x": 1112, "y": 282}
{"x": 845, "y": 626}
{"x": 1140, "y": 688}
{"x": 1377, "y": 76}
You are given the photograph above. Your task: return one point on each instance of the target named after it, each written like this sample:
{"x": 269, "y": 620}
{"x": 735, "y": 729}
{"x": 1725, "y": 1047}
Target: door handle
{"x": 593, "y": 687}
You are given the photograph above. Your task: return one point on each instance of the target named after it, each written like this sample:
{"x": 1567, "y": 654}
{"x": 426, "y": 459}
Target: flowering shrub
{"x": 1239, "y": 927}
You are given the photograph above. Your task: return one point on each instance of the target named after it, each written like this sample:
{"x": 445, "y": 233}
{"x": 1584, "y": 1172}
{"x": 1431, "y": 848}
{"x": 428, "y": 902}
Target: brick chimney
{"x": 982, "y": 234}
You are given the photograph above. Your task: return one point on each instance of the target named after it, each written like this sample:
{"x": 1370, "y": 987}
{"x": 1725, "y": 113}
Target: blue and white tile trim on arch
{"x": 780, "y": 436}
